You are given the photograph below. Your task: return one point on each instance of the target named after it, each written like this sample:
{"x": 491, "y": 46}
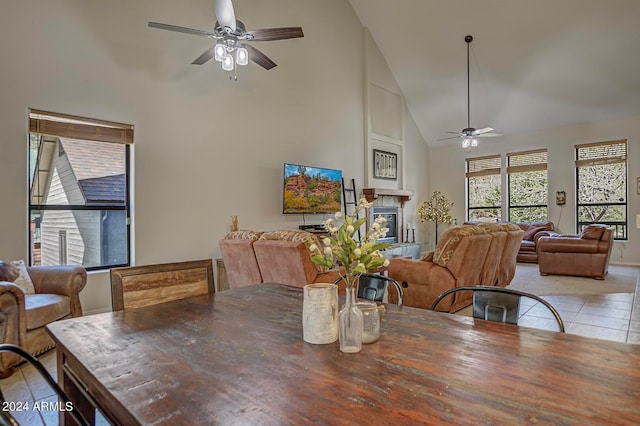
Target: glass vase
{"x": 350, "y": 323}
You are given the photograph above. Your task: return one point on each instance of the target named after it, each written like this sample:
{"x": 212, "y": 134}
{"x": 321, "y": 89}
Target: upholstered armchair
{"x": 23, "y": 317}
{"x": 458, "y": 260}
{"x": 585, "y": 254}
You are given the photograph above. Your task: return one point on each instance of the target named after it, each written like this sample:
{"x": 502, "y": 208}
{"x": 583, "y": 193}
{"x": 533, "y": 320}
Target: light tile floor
{"x": 612, "y": 317}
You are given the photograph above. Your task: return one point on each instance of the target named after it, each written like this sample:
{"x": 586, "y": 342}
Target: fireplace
{"x": 392, "y": 216}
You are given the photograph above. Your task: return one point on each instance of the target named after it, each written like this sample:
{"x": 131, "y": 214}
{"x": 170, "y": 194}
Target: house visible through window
{"x": 527, "y": 176}
{"x": 601, "y": 185}
{"x": 79, "y": 191}
{"x": 484, "y": 193}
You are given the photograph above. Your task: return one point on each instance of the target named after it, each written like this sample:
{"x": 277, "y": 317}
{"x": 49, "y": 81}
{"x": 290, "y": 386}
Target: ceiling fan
{"x": 470, "y": 135}
{"x": 231, "y": 35}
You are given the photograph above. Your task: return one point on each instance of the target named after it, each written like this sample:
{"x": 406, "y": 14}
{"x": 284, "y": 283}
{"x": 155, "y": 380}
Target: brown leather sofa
{"x": 24, "y": 316}
{"x": 276, "y": 256}
{"x": 532, "y": 232}
{"x": 481, "y": 254}
{"x": 584, "y": 255}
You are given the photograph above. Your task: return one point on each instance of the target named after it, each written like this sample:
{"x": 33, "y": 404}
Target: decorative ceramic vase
{"x": 350, "y": 323}
{"x": 320, "y": 313}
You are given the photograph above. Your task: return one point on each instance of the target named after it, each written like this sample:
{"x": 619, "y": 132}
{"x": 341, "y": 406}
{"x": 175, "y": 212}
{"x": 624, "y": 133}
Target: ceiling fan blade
{"x": 260, "y": 58}
{"x": 224, "y": 13}
{"x": 483, "y": 130}
{"x": 445, "y": 139}
{"x": 489, "y": 135}
{"x": 205, "y": 57}
{"x": 454, "y": 133}
{"x": 178, "y": 29}
{"x": 269, "y": 34}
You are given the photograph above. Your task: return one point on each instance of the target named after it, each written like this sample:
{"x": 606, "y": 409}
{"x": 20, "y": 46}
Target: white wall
{"x": 205, "y": 147}
{"x": 446, "y": 171}
{"x": 413, "y": 152}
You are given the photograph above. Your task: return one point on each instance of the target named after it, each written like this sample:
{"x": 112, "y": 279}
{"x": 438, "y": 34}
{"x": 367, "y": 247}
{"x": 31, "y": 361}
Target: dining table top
{"x": 238, "y": 357}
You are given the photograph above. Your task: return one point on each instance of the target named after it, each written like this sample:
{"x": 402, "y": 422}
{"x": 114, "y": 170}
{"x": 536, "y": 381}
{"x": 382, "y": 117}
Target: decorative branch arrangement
{"x": 437, "y": 210}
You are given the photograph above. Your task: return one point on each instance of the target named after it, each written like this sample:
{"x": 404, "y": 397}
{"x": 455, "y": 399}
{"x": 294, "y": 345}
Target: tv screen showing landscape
{"x": 311, "y": 189}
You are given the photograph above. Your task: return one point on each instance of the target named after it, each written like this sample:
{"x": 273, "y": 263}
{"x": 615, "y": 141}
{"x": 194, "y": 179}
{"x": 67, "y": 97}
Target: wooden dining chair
{"x": 498, "y": 304}
{"x": 138, "y": 286}
{"x": 374, "y": 286}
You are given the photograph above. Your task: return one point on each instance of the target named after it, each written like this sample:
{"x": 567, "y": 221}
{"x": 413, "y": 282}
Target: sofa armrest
{"x": 13, "y": 324}
{"x": 567, "y": 244}
{"x": 63, "y": 280}
{"x": 543, "y": 233}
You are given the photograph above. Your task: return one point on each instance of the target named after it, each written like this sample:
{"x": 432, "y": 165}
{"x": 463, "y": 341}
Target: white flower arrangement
{"x": 341, "y": 247}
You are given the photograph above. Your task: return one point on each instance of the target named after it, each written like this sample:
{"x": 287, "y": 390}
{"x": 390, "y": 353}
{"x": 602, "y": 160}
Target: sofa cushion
{"x": 527, "y": 245}
{"x": 41, "y": 309}
{"x": 592, "y": 232}
{"x": 244, "y": 234}
{"x": 450, "y": 241}
{"x": 533, "y": 230}
{"x": 299, "y": 237}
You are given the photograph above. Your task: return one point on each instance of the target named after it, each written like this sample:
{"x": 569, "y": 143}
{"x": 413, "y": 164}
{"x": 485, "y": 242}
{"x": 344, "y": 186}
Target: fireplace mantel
{"x": 373, "y": 193}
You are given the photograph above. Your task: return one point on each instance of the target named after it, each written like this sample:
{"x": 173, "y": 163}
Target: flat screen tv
{"x": 309, "y": 189}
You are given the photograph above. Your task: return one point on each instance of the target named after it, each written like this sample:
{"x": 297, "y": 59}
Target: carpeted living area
{"x": 608, "y": 309}
{"x": 620, "y": 279}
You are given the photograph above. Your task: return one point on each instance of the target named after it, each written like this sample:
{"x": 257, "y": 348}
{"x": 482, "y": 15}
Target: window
{"x": 484, "y": 183}
{"x": 62, "y": 244}
{"x": 527, "y": 177}
{"x": 79, "y": 191}
{"x": 601, "y": 185}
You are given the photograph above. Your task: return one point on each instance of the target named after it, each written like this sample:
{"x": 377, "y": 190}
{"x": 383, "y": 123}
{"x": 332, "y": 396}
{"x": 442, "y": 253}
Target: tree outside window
{"x": 527, "y": 174}
{"x": 484, "y": 193}
{"x": 601, "y": 185}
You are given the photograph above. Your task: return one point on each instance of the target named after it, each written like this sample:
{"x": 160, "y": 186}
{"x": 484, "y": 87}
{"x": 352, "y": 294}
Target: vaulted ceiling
{"x": 535, "y": 64}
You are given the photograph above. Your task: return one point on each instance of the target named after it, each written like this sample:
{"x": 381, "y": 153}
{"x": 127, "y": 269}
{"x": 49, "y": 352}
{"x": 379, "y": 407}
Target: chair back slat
{"x": 374, "y": 287}
{"x": 498, "y": 304}
{"x": 139, "y": 286}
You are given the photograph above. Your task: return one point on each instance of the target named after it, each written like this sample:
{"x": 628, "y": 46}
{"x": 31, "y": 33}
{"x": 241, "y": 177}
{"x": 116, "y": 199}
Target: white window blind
{"x": 599, "y": 153}
{"x": 483, "y": 166}
{"x": 527, "y": 161}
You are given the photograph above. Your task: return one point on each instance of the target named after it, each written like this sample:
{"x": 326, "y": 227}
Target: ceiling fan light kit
{"x": 231, "y": 34}
{"x": 469, "y": 135}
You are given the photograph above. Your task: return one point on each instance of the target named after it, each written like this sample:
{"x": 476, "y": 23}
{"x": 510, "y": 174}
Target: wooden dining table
{"x": 238, "y": 357}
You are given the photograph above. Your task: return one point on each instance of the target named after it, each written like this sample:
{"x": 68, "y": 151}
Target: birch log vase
{"x": 320, "y": 313}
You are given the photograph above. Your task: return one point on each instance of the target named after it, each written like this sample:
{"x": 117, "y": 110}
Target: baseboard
{"x": 622, "y": 263}
{"x": 96, "y": 311}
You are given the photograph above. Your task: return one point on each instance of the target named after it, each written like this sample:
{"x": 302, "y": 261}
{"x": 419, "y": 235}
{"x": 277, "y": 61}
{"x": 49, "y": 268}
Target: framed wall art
{"x": 385, "y": 165}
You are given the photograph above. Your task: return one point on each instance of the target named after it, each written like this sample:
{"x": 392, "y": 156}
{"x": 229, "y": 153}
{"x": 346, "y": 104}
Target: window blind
{"x": 483, "y": 166}
{"x": 593, "y": 154}
{"x": 527, "y": 161}
{"x": 62, "y": 125}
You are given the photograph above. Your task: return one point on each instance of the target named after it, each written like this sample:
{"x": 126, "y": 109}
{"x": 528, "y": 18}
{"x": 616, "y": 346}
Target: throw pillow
{"x": 8, "y": 272}
{"x": 533, "y": 230}
{"x": 24, "y": 280}
{"x": 592, "y": 232}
